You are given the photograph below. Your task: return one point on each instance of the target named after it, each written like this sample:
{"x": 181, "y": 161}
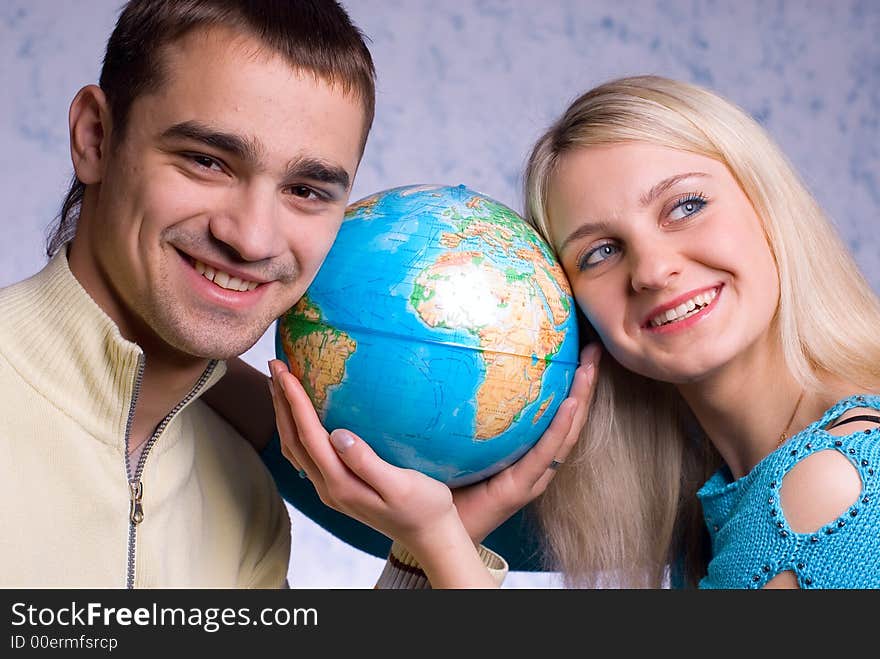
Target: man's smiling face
{"x": 218, "y": 204}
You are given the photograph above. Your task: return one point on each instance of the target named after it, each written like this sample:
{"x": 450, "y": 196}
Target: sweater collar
{"x": 64, "y": 345}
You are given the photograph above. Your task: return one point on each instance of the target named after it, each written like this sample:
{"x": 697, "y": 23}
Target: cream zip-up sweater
{"x": 211, "y": 515}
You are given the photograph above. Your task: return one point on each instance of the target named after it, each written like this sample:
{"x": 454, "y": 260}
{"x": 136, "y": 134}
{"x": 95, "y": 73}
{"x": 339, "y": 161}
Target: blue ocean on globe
{"x": 440, "y": 329}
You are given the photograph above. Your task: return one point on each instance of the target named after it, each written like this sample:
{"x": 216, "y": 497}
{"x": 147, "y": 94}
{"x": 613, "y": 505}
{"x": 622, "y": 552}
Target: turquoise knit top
{"x": 751, "y": 539}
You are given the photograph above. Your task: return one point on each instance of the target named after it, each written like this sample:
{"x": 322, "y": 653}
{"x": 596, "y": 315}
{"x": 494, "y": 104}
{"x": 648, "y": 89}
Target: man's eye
{"x": 303, "y": 192}
{"x": 205, "y": 161}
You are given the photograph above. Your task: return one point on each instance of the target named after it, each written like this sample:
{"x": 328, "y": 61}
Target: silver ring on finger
{"x": 556, "y": 464}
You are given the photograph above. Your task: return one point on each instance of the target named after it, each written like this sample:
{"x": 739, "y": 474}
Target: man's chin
{"x": 222, "y": 351}
{"x": 222, "y": 345}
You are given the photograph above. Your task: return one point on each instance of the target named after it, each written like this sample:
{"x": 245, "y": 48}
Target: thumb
{"x": 362, "y": 460}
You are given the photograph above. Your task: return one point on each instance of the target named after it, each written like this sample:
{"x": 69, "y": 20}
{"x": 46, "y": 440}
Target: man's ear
{"x": 89, "y": 120}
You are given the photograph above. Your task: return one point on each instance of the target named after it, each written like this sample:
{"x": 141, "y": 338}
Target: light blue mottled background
{"x": 465, "y": 87}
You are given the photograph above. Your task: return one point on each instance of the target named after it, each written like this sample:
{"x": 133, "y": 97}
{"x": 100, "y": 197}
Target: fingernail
{"x": 589, "y": 371}
{"x": 341, "y": 439}
{"x": 591, "y": 355}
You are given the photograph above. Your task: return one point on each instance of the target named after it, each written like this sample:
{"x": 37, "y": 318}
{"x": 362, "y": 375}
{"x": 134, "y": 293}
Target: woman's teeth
{"x": 685, "y": 309}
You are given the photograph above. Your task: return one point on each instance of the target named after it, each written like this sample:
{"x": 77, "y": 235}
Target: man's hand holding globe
{"x": 409, "y": 506}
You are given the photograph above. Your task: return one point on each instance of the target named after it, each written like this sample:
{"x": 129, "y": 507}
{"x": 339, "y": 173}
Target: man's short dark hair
{"x": 312, "y": 35}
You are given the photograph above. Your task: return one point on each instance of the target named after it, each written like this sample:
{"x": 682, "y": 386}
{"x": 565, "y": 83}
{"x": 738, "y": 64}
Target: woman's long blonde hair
{"x": 623, "y": 510}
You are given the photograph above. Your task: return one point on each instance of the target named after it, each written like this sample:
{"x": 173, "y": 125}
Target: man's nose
{"x": 653, "y": 266}
{"x": 250, "y": 224}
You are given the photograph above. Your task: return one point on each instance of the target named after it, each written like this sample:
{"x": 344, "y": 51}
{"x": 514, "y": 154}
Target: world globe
{"x": 440, "y": 329}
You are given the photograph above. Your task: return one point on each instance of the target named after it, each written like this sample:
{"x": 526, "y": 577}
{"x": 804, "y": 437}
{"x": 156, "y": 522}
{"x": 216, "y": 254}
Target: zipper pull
{"x": 136, "y": 511}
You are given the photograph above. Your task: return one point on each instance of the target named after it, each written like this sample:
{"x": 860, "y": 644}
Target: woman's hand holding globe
{"x": 485, "y": 505}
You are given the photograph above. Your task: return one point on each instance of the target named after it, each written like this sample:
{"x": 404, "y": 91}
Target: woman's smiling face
{"x": 666, "y": 257}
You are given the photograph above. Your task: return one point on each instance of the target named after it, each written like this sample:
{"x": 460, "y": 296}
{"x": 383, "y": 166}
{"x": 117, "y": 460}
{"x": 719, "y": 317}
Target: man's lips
{"x": 225, "y": 276}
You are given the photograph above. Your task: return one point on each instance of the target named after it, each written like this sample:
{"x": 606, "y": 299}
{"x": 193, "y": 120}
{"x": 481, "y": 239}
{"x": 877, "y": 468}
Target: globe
{"x": 440, "y": 329}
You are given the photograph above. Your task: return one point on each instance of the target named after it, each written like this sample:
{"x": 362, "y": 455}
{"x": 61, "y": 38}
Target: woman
{"x": 738, "y": 330}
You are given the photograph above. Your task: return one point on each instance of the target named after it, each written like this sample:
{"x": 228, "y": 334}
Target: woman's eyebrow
{"x": 589, "y": 228}
{"x": 585, "y": 229}
{"x": 651, "y": 195}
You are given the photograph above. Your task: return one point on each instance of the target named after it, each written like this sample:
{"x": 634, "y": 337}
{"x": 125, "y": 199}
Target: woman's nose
{"x": 654, "y": 267}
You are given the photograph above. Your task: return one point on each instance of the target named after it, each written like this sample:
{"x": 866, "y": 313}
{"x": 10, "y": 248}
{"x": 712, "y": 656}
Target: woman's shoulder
{"x": 849, "y": 406}
{"x": 818, "y": 489}
{"x": 832, "y": 465}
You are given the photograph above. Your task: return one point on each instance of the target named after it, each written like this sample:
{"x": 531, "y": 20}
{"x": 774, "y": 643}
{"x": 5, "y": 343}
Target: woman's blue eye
{"x": 690, "y": 205}
{"x": 597, "y": 255}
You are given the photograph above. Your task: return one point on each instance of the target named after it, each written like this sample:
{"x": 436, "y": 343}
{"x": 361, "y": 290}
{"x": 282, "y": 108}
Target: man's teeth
{"x": 223, "y": 279}
{"x": 685, "y": 309}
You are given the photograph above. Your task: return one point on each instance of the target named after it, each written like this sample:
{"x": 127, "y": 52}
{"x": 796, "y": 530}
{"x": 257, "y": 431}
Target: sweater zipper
{"x": 135, "y": 485}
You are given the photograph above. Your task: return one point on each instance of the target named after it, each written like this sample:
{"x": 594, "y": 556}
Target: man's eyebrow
{"x": 651, "y": 195}
{"x": 318, "y": 170}
{"x": 585, "y": 229}
{"x": 304, "y": 167}
{"x": 227, "y": 142}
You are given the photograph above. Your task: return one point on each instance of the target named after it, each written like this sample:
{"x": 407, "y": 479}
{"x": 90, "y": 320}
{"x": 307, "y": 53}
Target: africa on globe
{"x": 440, "y": 329}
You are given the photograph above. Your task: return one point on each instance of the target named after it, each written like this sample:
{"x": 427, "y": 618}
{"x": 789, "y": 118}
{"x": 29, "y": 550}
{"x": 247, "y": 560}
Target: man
{"x": 213, "y": 165}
